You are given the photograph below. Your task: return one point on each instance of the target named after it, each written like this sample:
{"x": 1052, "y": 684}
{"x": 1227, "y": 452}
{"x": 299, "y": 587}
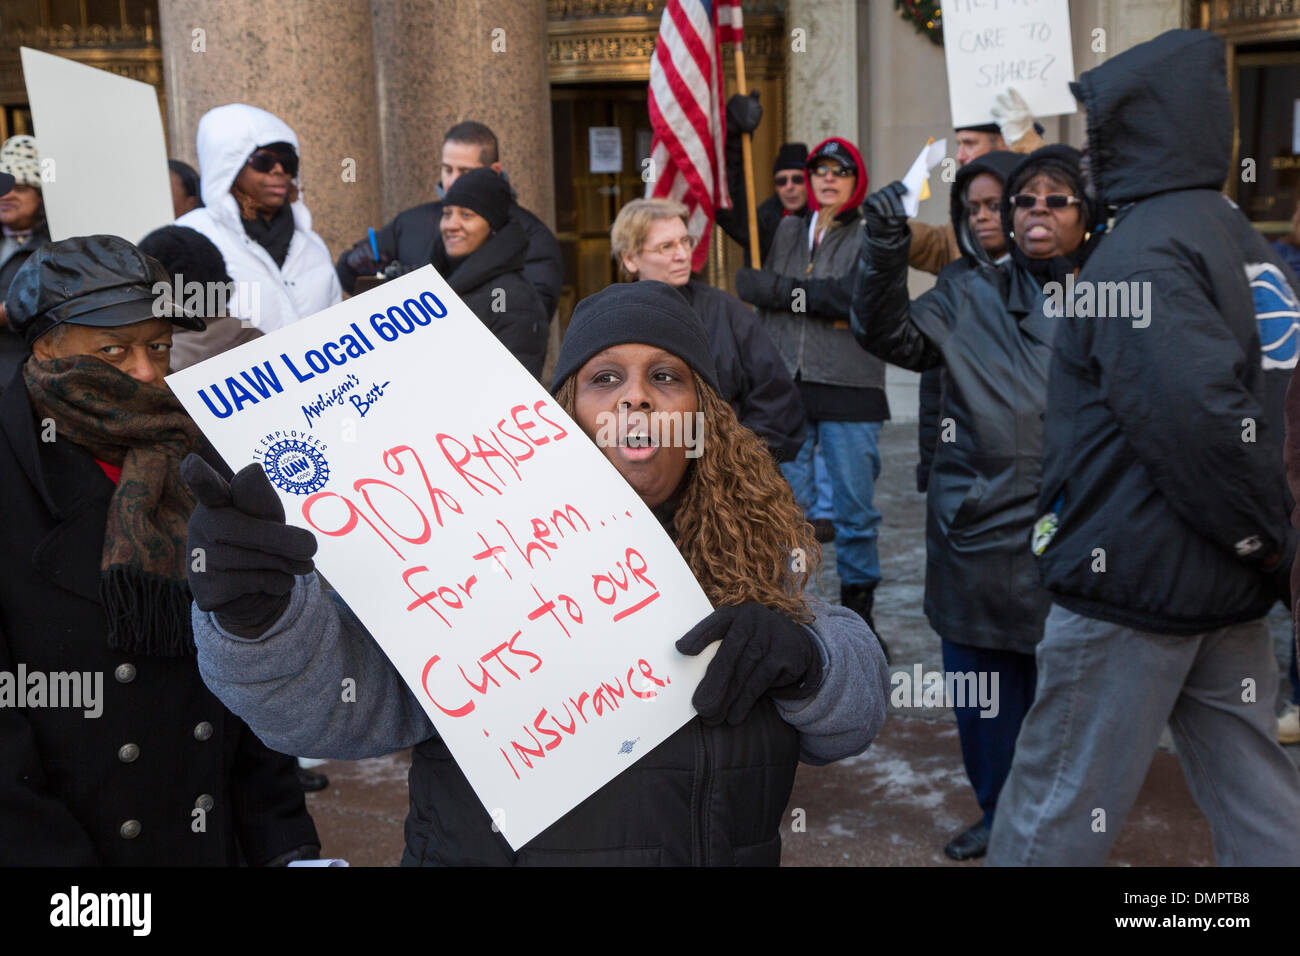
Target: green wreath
{"x": 923, "y": 16}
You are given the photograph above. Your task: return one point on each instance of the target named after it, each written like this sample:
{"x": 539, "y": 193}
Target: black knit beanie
{"x": 483, "y": 191}
{"x": 644, "y": 312}
{"x": 790, "y": 156}
{"x": 187, "y": 252}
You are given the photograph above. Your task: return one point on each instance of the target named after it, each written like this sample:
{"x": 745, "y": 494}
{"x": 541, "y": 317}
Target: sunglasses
{"x": 1053, "y": 201}
{"x": 839, "y": 172}
{"x": 265, "y": 160}
{"x": 796, "y": 178}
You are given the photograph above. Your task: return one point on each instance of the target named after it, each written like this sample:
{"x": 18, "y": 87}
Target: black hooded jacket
{"x": 1163, "y": 493}
{"x": 999, "y": 163}
{"x": 491, "y": 282}
{"x": 984, "y": 325}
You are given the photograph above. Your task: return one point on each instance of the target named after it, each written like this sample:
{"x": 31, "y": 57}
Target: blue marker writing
{"x": 374, "y": 249}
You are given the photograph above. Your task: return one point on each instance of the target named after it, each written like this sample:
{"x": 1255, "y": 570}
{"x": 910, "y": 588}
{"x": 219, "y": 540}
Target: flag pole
{"x": 747, "y": 154}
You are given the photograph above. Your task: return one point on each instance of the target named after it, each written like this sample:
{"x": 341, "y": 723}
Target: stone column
{"x": 437, "y": 64}
{"x": 307, "y": 61}
{"x": 822, "y": 73}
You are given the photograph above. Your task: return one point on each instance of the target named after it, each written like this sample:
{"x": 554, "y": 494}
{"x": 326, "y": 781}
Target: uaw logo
{"x": 296, "y": 467}
{"x": 1277, "y": 313}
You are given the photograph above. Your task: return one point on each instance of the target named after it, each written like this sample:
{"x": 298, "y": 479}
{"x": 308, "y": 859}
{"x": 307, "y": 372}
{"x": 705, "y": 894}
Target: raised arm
{"x": 884, "y": 320}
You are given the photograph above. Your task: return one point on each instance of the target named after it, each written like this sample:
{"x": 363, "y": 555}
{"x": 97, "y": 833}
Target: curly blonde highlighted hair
{"x": 737, "y": 525}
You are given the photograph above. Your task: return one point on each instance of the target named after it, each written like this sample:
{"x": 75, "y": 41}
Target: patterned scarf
{"x": 143, "y": 429}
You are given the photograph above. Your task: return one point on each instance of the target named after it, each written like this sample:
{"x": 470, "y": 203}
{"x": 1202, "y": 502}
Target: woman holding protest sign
{"x": 792, "y": 678}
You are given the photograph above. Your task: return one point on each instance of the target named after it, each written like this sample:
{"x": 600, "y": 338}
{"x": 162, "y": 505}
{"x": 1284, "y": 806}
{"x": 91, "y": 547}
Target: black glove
{"x": 763, "y": 652}
{"x": 395, "y": 269}
{"x": 743, "y": 113}
{"x": 250, "y": 556}
{"x": 886, "y": 203}
{"x": 361, "y": 259}
{"x": 766, "y": 290}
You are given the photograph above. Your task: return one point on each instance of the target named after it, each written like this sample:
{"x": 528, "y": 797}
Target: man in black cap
{"x": 147, "y": 767}
{"x": 791, "y": 196}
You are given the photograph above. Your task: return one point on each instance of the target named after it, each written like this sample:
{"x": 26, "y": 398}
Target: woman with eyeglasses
{"x": 988, "y": 329}
{"x": 650, "y": 240}
{"x": 248, "y": 161}
{"x": 802, "y": 296}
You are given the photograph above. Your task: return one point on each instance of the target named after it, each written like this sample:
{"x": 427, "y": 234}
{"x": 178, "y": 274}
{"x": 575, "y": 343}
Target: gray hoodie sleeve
{"x": 847, "y": 711}
{"x": 289, "y": 684}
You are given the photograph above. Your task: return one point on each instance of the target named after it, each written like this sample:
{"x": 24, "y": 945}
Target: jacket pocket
{"x": 970, "y": 505}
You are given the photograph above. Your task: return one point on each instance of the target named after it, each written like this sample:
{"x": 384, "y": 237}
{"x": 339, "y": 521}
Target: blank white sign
{"x": 990, "y": 45}
{"x": 103, "y": 156}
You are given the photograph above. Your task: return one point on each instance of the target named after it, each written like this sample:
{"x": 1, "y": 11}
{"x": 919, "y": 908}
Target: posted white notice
{"x": 524, "y": 592}
{"x": 990, "y": 45}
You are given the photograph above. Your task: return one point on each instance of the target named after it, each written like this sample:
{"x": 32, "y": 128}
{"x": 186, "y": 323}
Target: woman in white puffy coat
{"x": 248, "y": 161}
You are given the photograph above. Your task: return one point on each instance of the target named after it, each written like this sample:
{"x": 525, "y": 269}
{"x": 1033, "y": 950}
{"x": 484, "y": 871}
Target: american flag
{"x": 687, "y": 113}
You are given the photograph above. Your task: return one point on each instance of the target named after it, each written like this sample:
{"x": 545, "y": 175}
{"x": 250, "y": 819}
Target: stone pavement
{"x": 896, "y": 804}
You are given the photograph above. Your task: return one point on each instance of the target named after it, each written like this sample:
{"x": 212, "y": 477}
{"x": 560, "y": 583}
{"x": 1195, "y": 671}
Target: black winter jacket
{"x": 706, "y": 796}
{"x": 1151, "y": 465}
{"x": 986, "y": 328}
{"x": 492, "y": 283}
{"x": 752, "y": 378}
{"x": 73, "y": 792}
{"x": 410, "y": 237}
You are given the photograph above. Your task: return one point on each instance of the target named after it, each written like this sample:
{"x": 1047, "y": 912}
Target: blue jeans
{"x": 821, "y": 506}
{"x": 853, "y": 464}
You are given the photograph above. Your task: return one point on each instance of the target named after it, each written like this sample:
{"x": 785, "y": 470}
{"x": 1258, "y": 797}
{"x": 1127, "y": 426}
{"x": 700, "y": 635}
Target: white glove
{"x": 1012, "y": 115}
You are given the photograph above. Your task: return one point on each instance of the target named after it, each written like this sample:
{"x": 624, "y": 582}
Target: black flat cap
{"x": 644, "y": 312}
{"x": 101, "y": 281}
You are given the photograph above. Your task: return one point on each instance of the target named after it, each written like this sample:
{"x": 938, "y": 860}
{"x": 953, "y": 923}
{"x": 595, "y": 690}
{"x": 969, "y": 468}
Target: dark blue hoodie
{"x": 1163, "y": 494}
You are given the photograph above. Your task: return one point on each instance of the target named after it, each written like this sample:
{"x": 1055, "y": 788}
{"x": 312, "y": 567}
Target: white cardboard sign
{"x": 103, "y": 156}
{"x": 521, "y": 588}
{"x": 990, "y": 45}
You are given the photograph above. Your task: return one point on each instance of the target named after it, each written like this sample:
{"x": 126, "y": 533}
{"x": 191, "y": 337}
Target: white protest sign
{"x": 103, "y": 157}
{"x": 990, "y": 45}
{"x": 521, "y": 588}
{"x": 916, "y": 182}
